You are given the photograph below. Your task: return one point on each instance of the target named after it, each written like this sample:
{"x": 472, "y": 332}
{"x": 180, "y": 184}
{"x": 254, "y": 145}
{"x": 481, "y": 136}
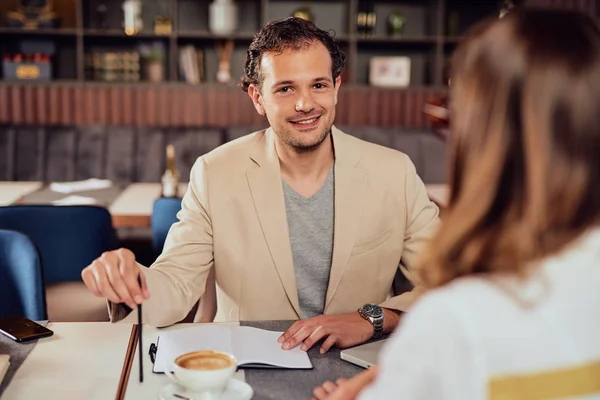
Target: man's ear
{"x": 338, "y": 83}
{"x": 256, "y": 97}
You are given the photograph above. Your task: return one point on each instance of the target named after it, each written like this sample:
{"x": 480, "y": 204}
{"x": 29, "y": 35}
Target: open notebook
{"x": 252, "y": 347}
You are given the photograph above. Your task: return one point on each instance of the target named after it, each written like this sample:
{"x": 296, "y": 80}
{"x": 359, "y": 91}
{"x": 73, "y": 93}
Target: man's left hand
{"x": 344, "y": 330}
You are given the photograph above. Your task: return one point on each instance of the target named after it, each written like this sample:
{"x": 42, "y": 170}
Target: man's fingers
{"x": 88, "y": 279}
{"x": 314, "y": 337}
{"x": 330, "y": 341}
{"x": 291, "y": 331}
{"x": 129, "y": 273}
{"x": 118, "y": 283}
{"x": 102, "y": 282}
{"x": 115, "y": 276}
{"x": 298, "y": 337}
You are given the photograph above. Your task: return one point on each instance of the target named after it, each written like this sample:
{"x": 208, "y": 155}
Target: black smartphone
{"x": 21, "y": 329}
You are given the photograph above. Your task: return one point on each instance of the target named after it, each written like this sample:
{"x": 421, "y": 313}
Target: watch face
{"x": 372, "y": 310}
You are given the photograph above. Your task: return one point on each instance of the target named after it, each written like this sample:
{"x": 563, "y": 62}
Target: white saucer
{"x": 236, "y": 390}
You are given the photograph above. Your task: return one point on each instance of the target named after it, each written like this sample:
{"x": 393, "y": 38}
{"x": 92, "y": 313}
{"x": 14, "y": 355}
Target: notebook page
{"x": 172, "y": 344}
{"x": 259, "y": 346}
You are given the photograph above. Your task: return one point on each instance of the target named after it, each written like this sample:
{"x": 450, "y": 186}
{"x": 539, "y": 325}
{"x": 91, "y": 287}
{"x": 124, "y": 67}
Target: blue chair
{"x": 164, "y": 214}
{"x": 68, "y": 238}
{"x": 21, "y": 275}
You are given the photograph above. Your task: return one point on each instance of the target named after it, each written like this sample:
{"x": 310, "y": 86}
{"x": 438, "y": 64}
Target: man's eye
{"x": 285, "y": 89}
{"x": 319, "y": 86}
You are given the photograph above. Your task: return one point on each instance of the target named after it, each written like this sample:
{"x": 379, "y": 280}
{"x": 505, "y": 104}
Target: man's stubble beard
{"x": 289, "y": 141}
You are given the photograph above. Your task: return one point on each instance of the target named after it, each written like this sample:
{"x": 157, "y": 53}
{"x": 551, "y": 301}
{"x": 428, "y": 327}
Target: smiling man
{"x": 299, "y": 221}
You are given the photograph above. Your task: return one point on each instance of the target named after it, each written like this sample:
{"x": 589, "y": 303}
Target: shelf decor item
{"x": 391, "y": 71}
{"x": 225, "y": 52}
{"x": 371, "y": 21}
{"x": 163, "y": 25}
{"x": 153, "y": 57}
{"x": 154, "y": 67}
{"x": 361, "y": 20}
{"x": 100, "y": 16}
{"x": 132, "y": 17}
{"x": 24, "y": 67}
{"x": 366, "y": 19}
{"x": 170, "y": 179}
{"x": 191, "y": 64}
{"x": 223, "y": 17}
{"x": 396, "y": 23}
{"x": 33, "y": 14}
{"x": 304, "y": 13}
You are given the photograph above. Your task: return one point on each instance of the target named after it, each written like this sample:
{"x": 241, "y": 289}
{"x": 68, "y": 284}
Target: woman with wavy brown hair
{"x": 515, "y": 267}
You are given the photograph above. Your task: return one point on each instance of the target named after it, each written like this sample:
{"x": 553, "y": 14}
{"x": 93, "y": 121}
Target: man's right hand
{"x": 114, "y": 276}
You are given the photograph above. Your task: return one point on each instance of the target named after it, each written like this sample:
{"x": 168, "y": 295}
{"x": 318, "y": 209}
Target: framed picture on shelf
{"x": 391, "y": 71}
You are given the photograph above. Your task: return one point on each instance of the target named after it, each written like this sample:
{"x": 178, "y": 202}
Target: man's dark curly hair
{"x": 290, "y": 33}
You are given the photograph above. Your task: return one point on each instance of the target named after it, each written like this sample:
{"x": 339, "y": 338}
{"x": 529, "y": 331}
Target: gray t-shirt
{"x": 310, "y": 222}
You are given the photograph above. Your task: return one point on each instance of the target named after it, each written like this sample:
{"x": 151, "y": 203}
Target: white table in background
{"x": 11, "y": 192}
{"x": 133, "y": 207}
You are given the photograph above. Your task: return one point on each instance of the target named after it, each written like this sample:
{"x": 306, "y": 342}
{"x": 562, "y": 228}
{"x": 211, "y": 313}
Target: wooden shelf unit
{"x": 432, "y": 31}
{"x": 426, "y": 38}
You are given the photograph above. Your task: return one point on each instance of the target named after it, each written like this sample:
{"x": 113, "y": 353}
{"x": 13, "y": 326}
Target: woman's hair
{"x": 525, "y": 144}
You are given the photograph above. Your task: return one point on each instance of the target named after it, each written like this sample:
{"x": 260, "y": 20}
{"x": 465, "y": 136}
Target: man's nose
{"x": 305, "y": 102}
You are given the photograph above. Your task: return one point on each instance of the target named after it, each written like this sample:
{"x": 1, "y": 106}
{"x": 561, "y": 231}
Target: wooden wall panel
{"x": 15, "y": 104}
{"x": 67, "y": 103}
{"x": 185, "y": 106}
{"x": 54, "y": 105}
{"x": 4, "y": 103}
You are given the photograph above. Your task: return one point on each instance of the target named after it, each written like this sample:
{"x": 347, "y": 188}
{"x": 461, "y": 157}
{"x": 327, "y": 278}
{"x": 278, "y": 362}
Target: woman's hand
{"x": 345, "y": 389}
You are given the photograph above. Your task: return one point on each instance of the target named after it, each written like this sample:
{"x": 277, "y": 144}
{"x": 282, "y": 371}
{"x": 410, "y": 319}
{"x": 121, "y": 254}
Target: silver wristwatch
{"x": 374, "y": 314}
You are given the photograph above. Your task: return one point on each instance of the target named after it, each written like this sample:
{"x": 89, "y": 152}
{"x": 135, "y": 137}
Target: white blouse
{"x": 483, "y": 338}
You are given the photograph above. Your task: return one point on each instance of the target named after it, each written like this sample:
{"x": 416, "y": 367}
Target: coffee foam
{"x": 205, "y": 360}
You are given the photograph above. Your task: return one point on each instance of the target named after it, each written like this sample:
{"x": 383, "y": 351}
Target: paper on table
{"x": 80, "y": 186}
{"x": 251, "y": 346}
{"x": 247, "y": 340}
{"x": 4, "y": 364}
{"x": 75, "y": 200}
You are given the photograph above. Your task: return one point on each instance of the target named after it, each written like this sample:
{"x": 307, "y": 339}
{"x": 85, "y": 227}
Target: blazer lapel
{"x": 349, "y": 196}
{"x": 267, "y": 192}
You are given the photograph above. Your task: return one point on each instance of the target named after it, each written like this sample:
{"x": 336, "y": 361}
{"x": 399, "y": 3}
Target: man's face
{"x": 298, "y": 95}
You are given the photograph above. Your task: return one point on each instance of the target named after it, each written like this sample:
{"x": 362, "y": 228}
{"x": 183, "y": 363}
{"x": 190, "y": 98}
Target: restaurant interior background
{"x": 100, "y": 89}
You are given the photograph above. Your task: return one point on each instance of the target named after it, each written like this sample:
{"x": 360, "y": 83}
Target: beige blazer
{"x": 233, "y": 218}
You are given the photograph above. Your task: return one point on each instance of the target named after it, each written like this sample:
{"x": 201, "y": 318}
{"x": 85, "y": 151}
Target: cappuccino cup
{"x": 204, "y": 372}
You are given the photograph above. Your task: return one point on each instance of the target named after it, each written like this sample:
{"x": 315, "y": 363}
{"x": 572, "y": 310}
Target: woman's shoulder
{"x": 453, "y": 307}
{"x": 466, "y": 289}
